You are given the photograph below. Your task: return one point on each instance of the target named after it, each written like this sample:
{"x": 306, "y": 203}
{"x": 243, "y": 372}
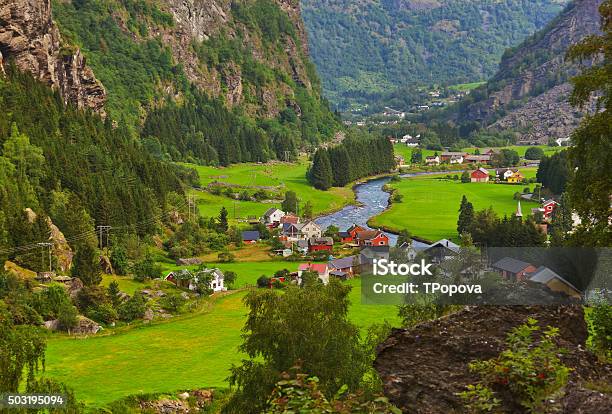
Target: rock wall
{"x": 539, "y": 83}
{"x": 30, "y": 39}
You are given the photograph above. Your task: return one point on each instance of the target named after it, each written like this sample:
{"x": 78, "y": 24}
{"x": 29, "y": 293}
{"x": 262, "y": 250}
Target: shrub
{"x": 172, "y": 303}
{"x": 263, "y": 282}
{"x": 134, "y": 308}
{"x": 104, "y": 313}
{"x": 530, "y": 371}
{"x": 479, "y": 399}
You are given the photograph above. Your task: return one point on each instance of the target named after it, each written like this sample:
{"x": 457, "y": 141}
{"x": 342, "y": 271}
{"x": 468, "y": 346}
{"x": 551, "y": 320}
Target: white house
{"x": 431, "y": 160}
{"x": 310, "y": 229}
{"x": 184, "y": 278}
{"x": 456, "y": 159}
{"x": 273, "y": 215}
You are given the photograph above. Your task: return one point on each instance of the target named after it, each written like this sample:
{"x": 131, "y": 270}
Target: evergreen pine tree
{"x": 321, "y": 173}
{"x": 223, "y": 224}
{"x": 466, "y": 215}
{"x": 86, "y": 265}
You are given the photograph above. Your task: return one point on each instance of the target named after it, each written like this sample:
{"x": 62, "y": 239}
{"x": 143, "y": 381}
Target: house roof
{"x": 372, "y": 252}
{"x": 481, "y": 170}
{"x": 314, "y": 267}
{"x": 510, "y": 264}
{"x": 431, "y": 157}
{"x": 302, "y": 244}
{"x": 337, "y": 273}
{"x": 355, "y": 226}
{"x": 290, "y": 218}
{"x": 549, "y": 201}
{"x": 369, "y": 234}
{"x": 271, "y": 211}
{"x": 544, "y": 275}
{"x": 445, "y": 243}
{"x": 344, "y": 234}
{"x": 451, "y": 154}
{"x": 342, "y": 263}
{"x": 327, "y": 241}
{"x": 250, "y": 235}
{"x": 501, "y": 171}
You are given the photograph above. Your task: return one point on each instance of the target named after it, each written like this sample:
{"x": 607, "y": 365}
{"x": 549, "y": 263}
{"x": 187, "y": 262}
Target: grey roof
{"x": 374, "y": 252}
{"x": 344, "y": 234}
{"x": 545, "y": 275}
{"x": 328, "y": 241}
{"x": 270, "y": 211}
{"x": 342, "y": 263}
{"x": 511, "y": 265}
{"x": 445, "y": 243}
{"x": 302, "y": 244}
{"x": 250, "y": 235}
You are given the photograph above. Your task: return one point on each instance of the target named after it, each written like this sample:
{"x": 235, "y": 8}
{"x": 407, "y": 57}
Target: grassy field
{"x": 188, "y": 352}
{"x": 466, "y": 86}
{"x": 406, "y": 152}
{"x": 430, "y": 206}
{"x": 283, "y": 176}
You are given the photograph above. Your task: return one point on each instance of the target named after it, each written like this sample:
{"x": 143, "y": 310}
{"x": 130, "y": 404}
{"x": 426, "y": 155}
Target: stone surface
{"x": 534, "y": 100}
{"x": 30, "y": 39}
{"x": 424, "y": 368}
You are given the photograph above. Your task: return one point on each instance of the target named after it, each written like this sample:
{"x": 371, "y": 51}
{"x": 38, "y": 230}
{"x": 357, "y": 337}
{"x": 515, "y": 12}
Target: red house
{"x": 372, "y": 238}
{"x": 480, "y": 175}
{"x": 514, "y": 269}
{"x": 549, "y": 206}
{"x": 354, "y": 230}
{"x": 317, "y": 244}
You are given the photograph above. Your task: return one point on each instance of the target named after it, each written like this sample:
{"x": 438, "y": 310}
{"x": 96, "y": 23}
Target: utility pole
{"x": 103, "y": 229}
{"x": 190, "y": 202}
{"x": 42, "y": 255}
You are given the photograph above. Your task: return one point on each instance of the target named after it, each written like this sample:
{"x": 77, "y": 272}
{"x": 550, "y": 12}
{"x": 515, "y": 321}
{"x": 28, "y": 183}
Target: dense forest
{"x": 358, "y": 156}
{"x": 364, "y": 51}
{"x": 274, "y": 109}
{"x": 73, "y": 167}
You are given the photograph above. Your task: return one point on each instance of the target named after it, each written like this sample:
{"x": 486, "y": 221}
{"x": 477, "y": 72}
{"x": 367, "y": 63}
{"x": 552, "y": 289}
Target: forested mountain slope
{"x": 366, "y": 48}
{"x": 529, "y": 92}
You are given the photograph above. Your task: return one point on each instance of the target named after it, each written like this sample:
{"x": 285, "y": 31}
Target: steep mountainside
{"x": 529, "y": 92}
{"x": 251, "y": 55}
{"x": 367, "y": 48}
{"x": 30, "y": 38}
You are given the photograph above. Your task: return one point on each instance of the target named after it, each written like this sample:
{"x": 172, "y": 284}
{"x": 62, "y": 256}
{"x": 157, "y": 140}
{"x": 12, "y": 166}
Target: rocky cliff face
{"x": 199, "y": 21}
{"x": 30, "y": 39}
{"x": 424, "y": 368}
{"x": 530, "y": 90}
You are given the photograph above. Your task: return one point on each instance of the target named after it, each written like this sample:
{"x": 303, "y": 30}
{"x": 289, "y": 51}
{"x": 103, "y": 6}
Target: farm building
{"x": 480, "y": 175}
{"x": 317, "y": 244}
{"x": 348, "y": 265}
{"x": 372, "y": 238}
{"x": 321, "y": 268}
{"x": 251, "y": 236}
{"x": 188, "y": 280}
{"x": 554, "y": 282}
{"x": 513, "y": 269}
{"x": 273, "y": 216}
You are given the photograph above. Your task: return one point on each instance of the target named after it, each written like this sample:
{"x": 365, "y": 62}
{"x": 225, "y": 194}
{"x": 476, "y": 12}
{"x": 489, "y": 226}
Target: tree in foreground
{"x": 591, "y": 187}
{"x": 307, "y": 325}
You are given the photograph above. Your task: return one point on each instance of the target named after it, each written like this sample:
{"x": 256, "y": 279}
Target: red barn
{"x": 317, "y": 244}
{"x": 480, "y": 175}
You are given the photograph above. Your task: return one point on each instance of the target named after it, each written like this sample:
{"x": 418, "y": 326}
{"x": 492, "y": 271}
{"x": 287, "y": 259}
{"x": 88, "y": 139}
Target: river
{"x": 371, "y": 201}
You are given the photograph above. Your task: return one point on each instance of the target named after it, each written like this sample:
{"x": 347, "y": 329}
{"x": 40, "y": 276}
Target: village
{"x": 344, "y": 255}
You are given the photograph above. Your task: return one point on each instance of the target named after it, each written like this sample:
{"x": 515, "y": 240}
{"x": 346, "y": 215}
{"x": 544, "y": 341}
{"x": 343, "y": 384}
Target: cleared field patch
{"x": 430, "y": 205}
{"x": 279, "y": 176}
{"x": 189, "y": 352}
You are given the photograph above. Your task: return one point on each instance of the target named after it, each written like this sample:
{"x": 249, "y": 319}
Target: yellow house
{"x": 516, "y": 177}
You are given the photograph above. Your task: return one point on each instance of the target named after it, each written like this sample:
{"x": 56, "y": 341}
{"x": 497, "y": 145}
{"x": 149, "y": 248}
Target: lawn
{"x": 188, "y": 352}
{"x": 462, "y": 87}
{"x": 430, "y": 206}
{"x": 283, "y": 176}
{"x": 406, "y": 152}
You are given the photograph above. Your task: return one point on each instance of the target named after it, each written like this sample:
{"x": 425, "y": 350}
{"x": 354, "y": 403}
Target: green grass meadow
{"x": 286, "y": 176}
{"x": 187, "y": 352}
{"x": 430, "y": 206}
{"x": 406, "y": 152}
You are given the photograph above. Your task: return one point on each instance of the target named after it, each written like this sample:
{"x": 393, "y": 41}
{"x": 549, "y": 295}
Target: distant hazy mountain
{"x": 529, "y": 92}
{"x": 364, "y": 48}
